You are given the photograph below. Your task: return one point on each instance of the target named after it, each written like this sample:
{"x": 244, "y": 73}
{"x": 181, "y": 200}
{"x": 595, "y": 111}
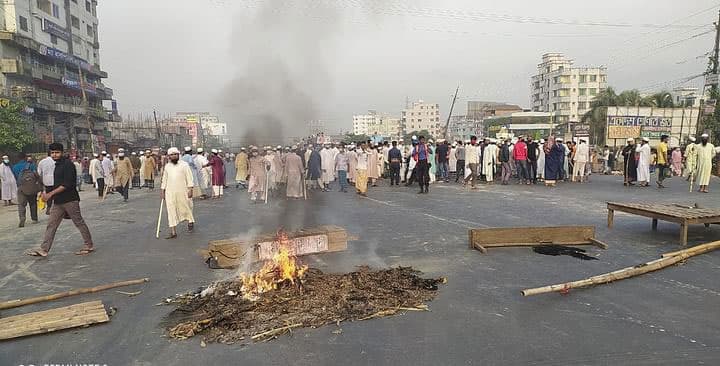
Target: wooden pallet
{"x": 47, "y": 321}
{"x": 230, "y": 253}
{"x": 683, "y": 215}
{"x": 481, "y": 239}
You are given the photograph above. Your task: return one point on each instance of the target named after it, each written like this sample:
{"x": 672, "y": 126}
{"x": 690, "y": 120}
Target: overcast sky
{"x": 281, "y": 61}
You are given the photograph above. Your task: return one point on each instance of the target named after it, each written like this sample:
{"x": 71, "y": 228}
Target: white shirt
{"x": 362, "y": 160}
{"x": 582, "y": 153}
{"x": 46, "y": 169}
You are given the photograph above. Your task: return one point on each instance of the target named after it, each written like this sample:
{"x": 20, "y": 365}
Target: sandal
{"x": 85, "y": 251}
{"x": 36, "y": 253}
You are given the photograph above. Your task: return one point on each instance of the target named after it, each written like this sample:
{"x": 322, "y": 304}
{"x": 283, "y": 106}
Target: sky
{"x": 269, "y": 66}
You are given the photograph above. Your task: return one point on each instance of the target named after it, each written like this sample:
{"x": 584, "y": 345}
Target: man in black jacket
{"x": 504, "y": 158}
{"x": 66, "y": 203}
{"x": 532, "y": 158}
{"x": 395, "y": 159}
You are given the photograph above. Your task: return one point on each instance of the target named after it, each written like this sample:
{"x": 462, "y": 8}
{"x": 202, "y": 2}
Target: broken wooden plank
{"x": 624, "y": 273}
{"x": 230, "y": 253}
{"x": 699, "y": 249}
{"x": 47, "y": 321}
{"x": 33, "y": 300}
{"x": 533, "y": 236}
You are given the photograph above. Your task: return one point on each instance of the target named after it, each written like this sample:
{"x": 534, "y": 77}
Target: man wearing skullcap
{"x": 123, "y": 175}
{"x": 190, "y": 160}
{"x": 293, "y": 172}
{"x": 177, "y": 191}
{"x": 629, "y": 162}
{"x": 218, "y": 174}
{"x": 241, "y": 169}
{"x": 9, "y": 184}
{"x": 691, "y": 158}
{"x": 705, "y": 154}
{"x": 643, "y": 168}
{"x": 204, "y": 171}
{"x": 149, "y": 170}
{"x": 136, "y": 163}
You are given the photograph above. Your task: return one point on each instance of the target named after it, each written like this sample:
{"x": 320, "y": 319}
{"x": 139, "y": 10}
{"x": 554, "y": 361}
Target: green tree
{"x": 425, "y": 133}
{"x": 351, "y": 137}
{"x": 662, "y": 99}
{"x": 597, "y": 115}
{"x": 15, "y": 130}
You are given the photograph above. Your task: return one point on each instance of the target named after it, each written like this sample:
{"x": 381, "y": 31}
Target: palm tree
{"x": 662, "y": 99}
{"x": 597, "y": 115}
{"x": 632, "y": 98}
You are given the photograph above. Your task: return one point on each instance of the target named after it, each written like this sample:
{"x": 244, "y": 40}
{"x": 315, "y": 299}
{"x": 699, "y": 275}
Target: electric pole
{"x": 157, "y": 130}
{"x": 452, "y": 106}
{"x": 713, "y": 73}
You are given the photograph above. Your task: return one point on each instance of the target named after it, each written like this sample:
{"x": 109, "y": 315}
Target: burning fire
{"x": 283, "y": 267}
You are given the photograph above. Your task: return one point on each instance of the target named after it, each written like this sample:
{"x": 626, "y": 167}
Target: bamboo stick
{"x": 34, "y": 300}
{"x": 699, "y": 249}
{"x": 628, "y": 272}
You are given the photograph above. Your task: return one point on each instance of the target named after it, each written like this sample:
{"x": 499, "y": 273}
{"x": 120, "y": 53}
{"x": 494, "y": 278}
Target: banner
{"x": 623, "y": 127}
{"x": 623, "y": 132}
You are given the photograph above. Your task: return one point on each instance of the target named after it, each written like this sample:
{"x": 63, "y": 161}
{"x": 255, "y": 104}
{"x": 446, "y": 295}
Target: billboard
{"x": 638, "y": 126}
{"x": 636, "y": 122}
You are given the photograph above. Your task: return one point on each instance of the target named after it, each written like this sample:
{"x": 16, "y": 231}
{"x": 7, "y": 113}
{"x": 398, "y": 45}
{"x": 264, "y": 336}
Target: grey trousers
{"x": 57, "y": 214}
{"x": 25, "y": 200}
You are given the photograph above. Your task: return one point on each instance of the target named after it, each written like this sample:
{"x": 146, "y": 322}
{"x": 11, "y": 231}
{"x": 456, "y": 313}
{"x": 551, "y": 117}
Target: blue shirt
{"x": 19, "y": 167}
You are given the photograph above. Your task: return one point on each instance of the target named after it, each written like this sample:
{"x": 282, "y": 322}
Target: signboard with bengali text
{"x": 298, "y": 246}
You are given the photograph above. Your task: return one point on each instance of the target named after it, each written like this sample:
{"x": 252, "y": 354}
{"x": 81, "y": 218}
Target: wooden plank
{"x": 535, "y": 235}
{"x": 52, "y": 320}
{"x": 645, "y": 213}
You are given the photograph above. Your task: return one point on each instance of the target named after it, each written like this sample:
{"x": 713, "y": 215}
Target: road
{"x": 478, "y": 318}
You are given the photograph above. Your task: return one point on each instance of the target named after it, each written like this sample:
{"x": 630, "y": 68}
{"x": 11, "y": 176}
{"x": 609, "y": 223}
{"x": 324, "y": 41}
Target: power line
{"x": 668, "y": 45}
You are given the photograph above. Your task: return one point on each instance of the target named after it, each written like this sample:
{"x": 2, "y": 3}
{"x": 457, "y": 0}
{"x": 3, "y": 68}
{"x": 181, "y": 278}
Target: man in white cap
{"x": 490, "y": 161}
{"x": 177, "y": 191}
{"x": 9, "y": 184}
{"x": 149, "y": 170}
{"x": 643, "y": 167}
{"x": 293, "y": 172}
{"x": 241, "y": 169}
{"x": 705, "y": 154}
{"x": 123, "y": 175}
{"x": 190, "y": 160}
{"x": 691, "y": 158}
{"x": 328, "y": 167}
{"x": 541, "y": 160}
{"x": 204, "y": 171}
{"x": 135, "y": 162}
{"x": 109, "y": 168}
{"x": 218, "y": 174}
{"x": 257, "y": 170}
{"x": 141, "y": 172}
{"x": 582, "y": 155}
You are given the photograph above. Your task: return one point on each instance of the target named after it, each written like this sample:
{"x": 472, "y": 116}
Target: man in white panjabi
{"x": 328, "y": 166}
{"x": 582, "y": 154}
{"x": 177, "y": 191}
{"x": 705, "y": 154}
{"x": 643, "y": 168}
{"x": 541, "y": 161}
{"x": 204, "y": 171}
{"x": 490, "y": 160}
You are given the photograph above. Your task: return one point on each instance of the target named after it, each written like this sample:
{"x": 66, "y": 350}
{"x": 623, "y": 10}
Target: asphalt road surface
{"x": 479, "y": 317}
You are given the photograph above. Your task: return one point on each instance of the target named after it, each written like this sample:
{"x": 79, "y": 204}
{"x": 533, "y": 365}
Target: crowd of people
{"x": 292, "y": 171}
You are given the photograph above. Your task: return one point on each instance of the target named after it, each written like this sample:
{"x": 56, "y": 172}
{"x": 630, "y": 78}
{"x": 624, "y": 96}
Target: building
{"x": 377, "y": 124}
{"x": 462, "y": 127}
{"x": 535, "y": 124}
{"x": 477, "y": 110}
{"x": 212, "y": 126}
{"x": 422, "y": 116}
{"x": 49, "y": 58}
{"x": 565, "y": 90}
{"x": 684, "y": 96}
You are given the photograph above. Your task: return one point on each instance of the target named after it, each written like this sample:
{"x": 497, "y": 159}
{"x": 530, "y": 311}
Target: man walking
{"x": 258, "y": 175}
{"x": 643, "y": 168}
{"x": 662, "y": 160}
{"x": 149, "y": 170}
{"x": 123, "y": 175}
{"x": 460, "y": 165}
{"x": 363, "y": 159}
{"x": 629, "y": 162}
{"x": 691, "y": 158}
{"x": 46, "y": 171}
{"x": 218, "y": 175}
{"x": 421, "y": 154}
{"x": 176, "y": 188}
{"x": 490, "y": 161}
{"x": 294, "y": 174}
{"x": 472, "y": 160}
{"x": 241, "y": 169}
{"x": 98, "y": 174}
{"x": 66, "y": 203}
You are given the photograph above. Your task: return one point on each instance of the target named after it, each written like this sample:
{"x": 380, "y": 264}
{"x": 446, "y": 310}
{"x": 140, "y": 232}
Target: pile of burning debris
{"x": 284, "y": 294}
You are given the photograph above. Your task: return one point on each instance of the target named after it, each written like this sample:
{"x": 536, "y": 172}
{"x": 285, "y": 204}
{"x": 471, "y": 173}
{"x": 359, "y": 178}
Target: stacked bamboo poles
{"x": 668, "y": 259}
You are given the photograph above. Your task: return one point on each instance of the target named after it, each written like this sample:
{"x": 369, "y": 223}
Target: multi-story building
{"x": 477, "y": 110}
{"x": 377, "y": 124}
{"x": 363, "y": 122}
{"x": 462, "y": 128}
{"x": 49, "y": 58}
{"x": 684, "y": 96}
{"x": 422, "y": 116}
{"x": 565, "y": 90}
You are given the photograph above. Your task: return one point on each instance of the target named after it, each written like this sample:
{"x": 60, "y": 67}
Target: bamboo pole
{"x": 34, "y": 300}
{"x": 157, "y": 231}
{"x": 628, "y": 272}
{"x": 700, "y": 249}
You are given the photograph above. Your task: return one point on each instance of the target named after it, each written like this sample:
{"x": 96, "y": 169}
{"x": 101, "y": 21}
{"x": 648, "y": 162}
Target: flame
{"x": 284, "y": 266}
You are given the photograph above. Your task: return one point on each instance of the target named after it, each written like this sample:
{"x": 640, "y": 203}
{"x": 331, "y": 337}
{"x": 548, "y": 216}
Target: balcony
{"x": 9, "y": 66}
{"x": 69, "y": 108}
{"x": 51, "y": 72}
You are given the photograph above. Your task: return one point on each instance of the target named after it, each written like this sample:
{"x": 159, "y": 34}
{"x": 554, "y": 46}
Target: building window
{"x": 593, "y": 92}
{"x": 23, "y": 23}
{"x": 89, "y": 30}
{"x": 53, "y": 39}
{"x": 56, "y": 11}
{"x": 583, "y": 78}
{"x": 88, "y": 7}
{"x": 75, "y": 21}
{"x": 75, "y": 1}
{"x": 44, "y": 5}
{"x": 593, "y": 78}
{"x": 603, "y": 78}
{"x": 582, "y": 91}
